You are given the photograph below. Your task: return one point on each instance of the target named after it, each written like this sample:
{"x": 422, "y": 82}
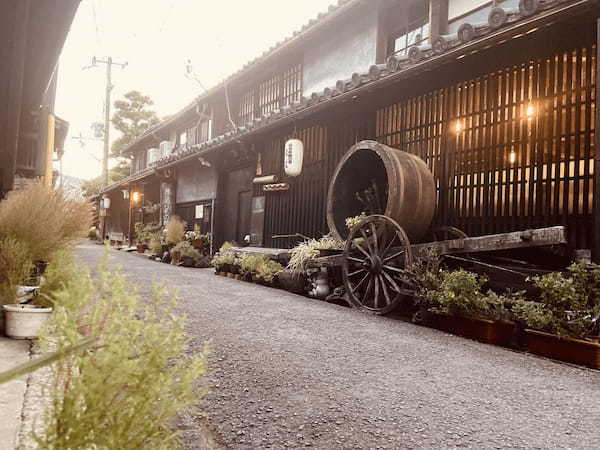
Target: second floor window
{"x": 412, "y": 29}
{"x": 273, "y": 93}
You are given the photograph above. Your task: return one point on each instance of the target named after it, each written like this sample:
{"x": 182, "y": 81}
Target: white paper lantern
{"x": 293, "y": 157}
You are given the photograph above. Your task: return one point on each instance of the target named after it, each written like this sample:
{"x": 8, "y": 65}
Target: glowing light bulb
{"x": 530, "y": 111}
{"x": 512, "y": 157}
{"x": 136, "y": 197}
{"x": 458, "y": 127}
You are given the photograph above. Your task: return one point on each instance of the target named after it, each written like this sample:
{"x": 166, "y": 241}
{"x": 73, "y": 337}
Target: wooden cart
{"x": 381, "y": 249}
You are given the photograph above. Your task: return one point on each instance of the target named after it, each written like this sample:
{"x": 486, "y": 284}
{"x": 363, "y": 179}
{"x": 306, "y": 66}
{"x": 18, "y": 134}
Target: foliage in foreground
{"x": 175, "y": 230}
{"x": 128, "y": 389}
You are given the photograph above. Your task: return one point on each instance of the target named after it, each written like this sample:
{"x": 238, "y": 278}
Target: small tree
{"x": 132, "y": 118}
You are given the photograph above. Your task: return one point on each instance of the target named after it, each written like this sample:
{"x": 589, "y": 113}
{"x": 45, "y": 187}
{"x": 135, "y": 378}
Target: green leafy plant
{"x": 145, "y": 232}
{"x": 249, "y": 263}
{"x": 268, "y": 269}
{"x": 221, "y": 260}
{"x": 459, "y": 293}
{"x": 15, "y": 267}
{"x": 185, "y": 249}
{"x": 93, "y": 233}
{"x": 307, "y": 251}
{"x": 570, "y": 302}
{"x": 126, "y": 390}
{"x": 175, "y": 230}
{"x": 156, "y": 244}
{"x": 352, "y": 221}
{"x": 62, "y": 268}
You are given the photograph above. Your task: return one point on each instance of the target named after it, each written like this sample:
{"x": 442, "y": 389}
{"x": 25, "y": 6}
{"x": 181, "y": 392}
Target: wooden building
{"x": 32, "y": 34}
{"x": 498, "y": 98}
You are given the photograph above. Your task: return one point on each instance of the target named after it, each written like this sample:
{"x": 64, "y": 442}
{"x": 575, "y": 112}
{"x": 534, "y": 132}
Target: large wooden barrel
{"x": 376, "y": 179}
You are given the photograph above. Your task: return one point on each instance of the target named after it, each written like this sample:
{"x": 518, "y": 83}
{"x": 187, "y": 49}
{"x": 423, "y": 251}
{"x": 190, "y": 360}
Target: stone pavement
{"x": 289, "y": 372}
{"x": 12, "y": 394}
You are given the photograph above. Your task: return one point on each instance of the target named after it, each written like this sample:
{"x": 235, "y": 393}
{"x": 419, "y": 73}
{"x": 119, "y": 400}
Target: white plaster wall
{"x": 350, "y": 49}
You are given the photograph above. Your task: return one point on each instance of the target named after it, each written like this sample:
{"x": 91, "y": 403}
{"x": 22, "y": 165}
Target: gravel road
{"x": 288, "y": 371}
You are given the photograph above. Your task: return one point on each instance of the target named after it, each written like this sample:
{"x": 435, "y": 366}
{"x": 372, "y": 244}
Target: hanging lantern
{"x": 105, "y": 203}
{"x": 294, "y": 155}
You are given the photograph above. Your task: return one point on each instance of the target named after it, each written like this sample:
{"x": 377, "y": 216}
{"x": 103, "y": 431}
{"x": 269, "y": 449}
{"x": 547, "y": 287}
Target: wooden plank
{"x": 541, "y": 237}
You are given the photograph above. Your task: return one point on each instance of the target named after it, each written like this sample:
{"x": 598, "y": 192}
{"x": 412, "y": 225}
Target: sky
{"x": 156, "y": 38}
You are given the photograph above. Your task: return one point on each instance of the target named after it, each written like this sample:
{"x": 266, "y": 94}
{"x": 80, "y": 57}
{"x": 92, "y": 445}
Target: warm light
{"x": 458, "y": 127}
{"x": 136, "y": 197}
{"x": 530, "y": 112}
{"x": 512, "y": 157}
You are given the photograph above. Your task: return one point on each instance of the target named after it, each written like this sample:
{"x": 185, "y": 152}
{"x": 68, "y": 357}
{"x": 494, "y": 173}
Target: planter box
{"x": 494, "y": 332}
{"x": 564, "y": 348}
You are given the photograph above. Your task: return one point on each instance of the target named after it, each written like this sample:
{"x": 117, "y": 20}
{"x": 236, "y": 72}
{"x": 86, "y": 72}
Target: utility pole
{"x": 109, "y": 63}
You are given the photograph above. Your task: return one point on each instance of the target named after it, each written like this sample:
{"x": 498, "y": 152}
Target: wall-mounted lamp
{"x": 512, "y": 157}
{"x": 135, "y": 196}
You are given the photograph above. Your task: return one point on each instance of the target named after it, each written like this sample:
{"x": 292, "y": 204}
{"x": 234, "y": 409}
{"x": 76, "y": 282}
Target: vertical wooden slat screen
{"x": 522, "y": 155}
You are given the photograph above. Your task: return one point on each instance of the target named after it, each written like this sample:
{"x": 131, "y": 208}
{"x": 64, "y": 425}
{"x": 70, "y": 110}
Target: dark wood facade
{"x": 523, "y": 158}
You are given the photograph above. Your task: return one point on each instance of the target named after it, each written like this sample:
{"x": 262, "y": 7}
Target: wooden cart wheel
{"x": 375, "y": 265}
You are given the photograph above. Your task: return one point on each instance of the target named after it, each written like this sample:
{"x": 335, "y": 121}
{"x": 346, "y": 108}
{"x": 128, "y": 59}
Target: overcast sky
{"x": 155, "y": 38}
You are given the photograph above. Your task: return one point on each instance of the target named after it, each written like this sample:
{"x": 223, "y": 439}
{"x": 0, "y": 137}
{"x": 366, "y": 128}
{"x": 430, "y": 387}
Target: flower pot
{"x": 496, "y": 332}
{"x": 564, "y": 348}
{"x": 141, "y": 248}
{"x": 24, "y": 321}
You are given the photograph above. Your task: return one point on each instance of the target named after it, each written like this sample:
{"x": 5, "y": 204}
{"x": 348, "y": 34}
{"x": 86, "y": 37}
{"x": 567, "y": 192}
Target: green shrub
{"x": 268, "y": 269}
{"x": 127, "y": 390}
{"x": 15, "y": 267}
{"x": 226, "y": 246}
{"x": 570, "y": 302}
{"x": 249, "y": 263}
{"x": 44, "y": 220}
{"x": 185, "y": 248}
{"x": 222, "y": 259}
{"x": 156, "y": 244}
{"x": 459, "y": 293}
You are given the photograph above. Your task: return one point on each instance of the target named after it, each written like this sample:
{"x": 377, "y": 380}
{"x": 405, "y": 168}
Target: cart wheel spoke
{"x": 369, "y": 287}
{"x": 374, "y": 236}
{"x": 356, "y": 273}
{"x": 357, "y": 287}
{"x": 356, "y": 260}
{"x": 367, "y": 241}
{"x": 394, "y": 256}
{"x": 376, "y": 296}
{"x": 384, "y": 288}
{"x": 396, "y": 269}
{"x": 397, "y": 288}
{"x": 361, "y": 249}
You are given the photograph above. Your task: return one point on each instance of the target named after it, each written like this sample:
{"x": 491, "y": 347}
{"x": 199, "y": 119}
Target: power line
{"x": 93, "y": 3}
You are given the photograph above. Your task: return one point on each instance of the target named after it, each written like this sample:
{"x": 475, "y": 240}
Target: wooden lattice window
{"x": 271, "y": 94}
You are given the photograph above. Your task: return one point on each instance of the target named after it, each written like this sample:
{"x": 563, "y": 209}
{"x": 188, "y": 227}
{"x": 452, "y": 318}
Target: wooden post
{"x": 438, "y": 18}
{"x": 596, "y": 252}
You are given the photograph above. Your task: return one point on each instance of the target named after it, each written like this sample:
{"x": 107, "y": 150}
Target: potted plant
{"x": 565, "y": 324}
{"x": 186, "y": 254}
{"x": 198, "y": 240}
{"x": 141, "y": 236}
{"x": 249, "y": 264}
{"x": 266, "y": 272}
{"x": 456, "y": 304}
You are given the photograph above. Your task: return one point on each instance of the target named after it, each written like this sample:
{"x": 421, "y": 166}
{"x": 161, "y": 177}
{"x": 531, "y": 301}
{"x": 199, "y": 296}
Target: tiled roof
{"x": 468, "y": 38}
{"x": 322, "y": 19}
